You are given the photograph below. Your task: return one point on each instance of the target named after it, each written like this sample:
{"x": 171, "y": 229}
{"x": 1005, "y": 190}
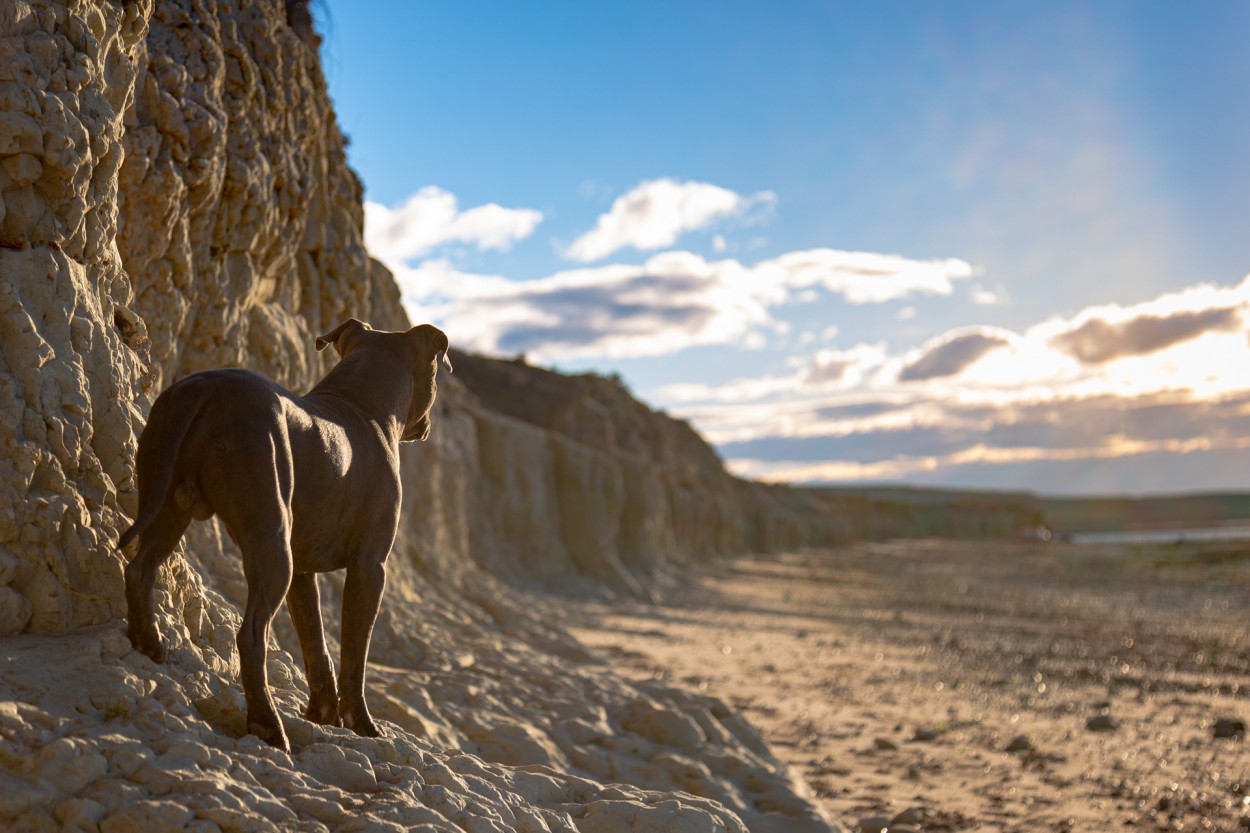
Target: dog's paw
{"x": 325, "y": 713}
{"x": 149, "y": 643}
{"x": 271, "y": 733}
{"x": 361, "y": 723}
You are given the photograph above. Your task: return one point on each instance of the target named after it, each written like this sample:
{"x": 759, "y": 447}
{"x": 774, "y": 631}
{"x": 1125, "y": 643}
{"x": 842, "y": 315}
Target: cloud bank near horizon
{"x": 1168, "y": 377}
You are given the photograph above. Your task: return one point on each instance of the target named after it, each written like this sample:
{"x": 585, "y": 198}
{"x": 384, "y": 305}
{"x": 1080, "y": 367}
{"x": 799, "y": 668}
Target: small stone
{"x": 873, "y": 824}
{"x": 885, "y": 744}
{"x": 1020, "y": 743}
{"x": 912, "y": 815}
{"x": 925, "y": 735}
{"x": 1229, "y": 727}
{"x": 1102, "y": 723}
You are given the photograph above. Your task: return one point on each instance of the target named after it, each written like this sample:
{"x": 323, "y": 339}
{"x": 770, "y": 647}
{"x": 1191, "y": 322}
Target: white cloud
{"x": 988, "y": 297}
{"x": 866, "y": 277}
{"x": 673, "y": 301}
{"x": 431, "y": 218}
{"x": 654, "y": 214}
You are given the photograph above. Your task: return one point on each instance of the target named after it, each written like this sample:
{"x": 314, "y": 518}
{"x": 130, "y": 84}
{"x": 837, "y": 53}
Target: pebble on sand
{"x": 1102, "y": 723}
{"x": 882, "y": 824}
{"x": 913, "y": 816}
{"x": 1229, "y": 727}
{"x": 1020, "y": 743}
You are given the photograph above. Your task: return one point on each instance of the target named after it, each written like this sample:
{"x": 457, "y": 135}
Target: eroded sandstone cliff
{"x": 174, "y": 196}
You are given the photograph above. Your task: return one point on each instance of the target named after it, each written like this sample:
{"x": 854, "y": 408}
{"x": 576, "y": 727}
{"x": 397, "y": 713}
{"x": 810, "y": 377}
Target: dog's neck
{"x": 384, "y": 403}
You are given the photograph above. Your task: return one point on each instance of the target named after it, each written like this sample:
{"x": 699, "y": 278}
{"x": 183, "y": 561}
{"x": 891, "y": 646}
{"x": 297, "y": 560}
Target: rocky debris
{"x": 885, "y": 744}
{"x": 925, "y": 735}
{"x": 1020, "y": 743}
{"x": 1228, "y": 727}
{"x": 146, "y": 747}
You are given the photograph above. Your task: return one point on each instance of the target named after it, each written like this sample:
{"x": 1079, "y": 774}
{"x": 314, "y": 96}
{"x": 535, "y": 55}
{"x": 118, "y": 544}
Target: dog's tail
{"x": 159, "y": 447}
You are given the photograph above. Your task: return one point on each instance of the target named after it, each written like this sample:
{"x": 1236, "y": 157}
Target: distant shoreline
{"x": 1234, "y": 530}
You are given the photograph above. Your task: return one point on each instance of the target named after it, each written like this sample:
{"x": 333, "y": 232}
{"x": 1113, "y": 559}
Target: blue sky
{"x": 973, "y": 244}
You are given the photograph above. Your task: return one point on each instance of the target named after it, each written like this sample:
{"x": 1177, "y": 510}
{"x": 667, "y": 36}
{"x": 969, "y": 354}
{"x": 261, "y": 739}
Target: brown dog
{"x": 303, "y": 485}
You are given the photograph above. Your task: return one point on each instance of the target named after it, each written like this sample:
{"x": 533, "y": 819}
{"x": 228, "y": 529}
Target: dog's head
{"x": 420, "y": 350}
{"x": 429, "y": 346}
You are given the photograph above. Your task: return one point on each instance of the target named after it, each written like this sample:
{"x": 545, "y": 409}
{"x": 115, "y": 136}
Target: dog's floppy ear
{"x": 443, "y": 345}
{"x": 435, "y": 340}
{"x": 344, "y": 336}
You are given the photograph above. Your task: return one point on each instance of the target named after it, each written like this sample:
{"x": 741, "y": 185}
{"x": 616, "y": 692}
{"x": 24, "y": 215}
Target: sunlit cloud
{"x": 951, "y": 354}
{"x": 654, "y": 214}
{"x": 673, "y": 301}
{"x": 1097, "y": 340}
{"x": 431, "y": 218}
{"x": 1104, "y": 428}
{"x": 982, "y": 296}
{"x": 903, "y": 469}
{"x": 1168, "y": 376}
{"x": 867, "y": 277}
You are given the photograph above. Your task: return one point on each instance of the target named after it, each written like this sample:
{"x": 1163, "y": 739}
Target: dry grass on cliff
{"x": 846, "y": 659}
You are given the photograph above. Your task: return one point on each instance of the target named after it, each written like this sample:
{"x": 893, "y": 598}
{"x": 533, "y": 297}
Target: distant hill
{"x": 1113, "y": 514}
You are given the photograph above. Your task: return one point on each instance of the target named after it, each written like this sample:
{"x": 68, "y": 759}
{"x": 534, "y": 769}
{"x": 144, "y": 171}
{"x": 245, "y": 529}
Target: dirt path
{"x": 896, "y": 676}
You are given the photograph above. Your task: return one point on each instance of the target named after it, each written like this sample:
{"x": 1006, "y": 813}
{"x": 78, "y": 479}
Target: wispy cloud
{"x": 655, "y": 213}
{"x": 979, "y": 294}
{"x": 1097, "y": 340}
{"x": 431, "y": 218}
{"x": 951, "y": 354}
{"x": 1066, "y": 431}
{"x": 674, "y": 301}
{"x": 867, "y": 277}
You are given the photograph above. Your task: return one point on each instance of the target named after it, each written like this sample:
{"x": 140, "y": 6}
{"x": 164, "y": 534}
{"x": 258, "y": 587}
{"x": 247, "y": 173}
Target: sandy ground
{"x": 896, "y": 676}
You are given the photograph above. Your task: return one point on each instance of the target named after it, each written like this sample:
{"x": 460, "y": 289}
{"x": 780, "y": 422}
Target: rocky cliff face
{"x": 173, "y": 197}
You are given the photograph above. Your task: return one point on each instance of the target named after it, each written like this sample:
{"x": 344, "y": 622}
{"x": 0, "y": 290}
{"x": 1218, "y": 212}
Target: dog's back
{"x": 204, "y": 416}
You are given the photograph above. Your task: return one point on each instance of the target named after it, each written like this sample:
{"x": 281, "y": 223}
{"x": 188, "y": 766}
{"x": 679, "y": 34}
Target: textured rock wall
{"x": 68, "y": 371}
{"x": 175, "y": 197}
{"x": 619, "y": 490}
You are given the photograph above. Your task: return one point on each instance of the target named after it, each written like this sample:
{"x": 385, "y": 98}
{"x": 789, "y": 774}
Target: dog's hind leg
{"x": 259, "y": 520}
{"x": 303, "y": 602}
{"x": 156, "y": 544}
{"x": 362, "y": 597}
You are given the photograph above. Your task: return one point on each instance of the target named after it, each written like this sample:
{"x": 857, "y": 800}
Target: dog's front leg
{"x": 303, "y": 602}
{"x": 362, "y": 596}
